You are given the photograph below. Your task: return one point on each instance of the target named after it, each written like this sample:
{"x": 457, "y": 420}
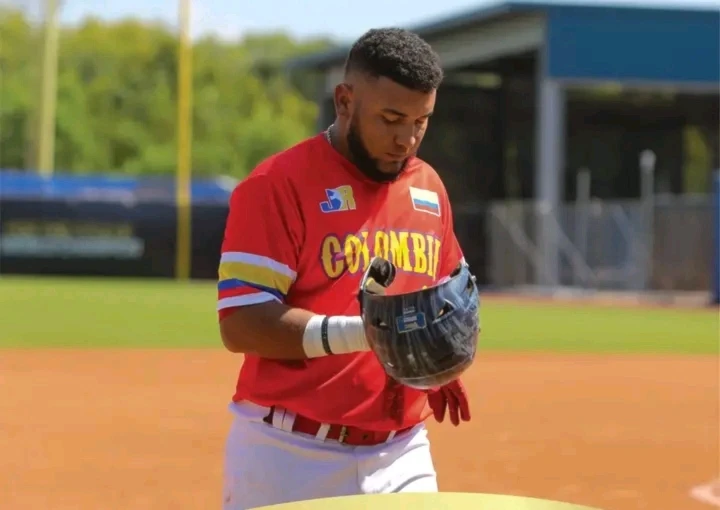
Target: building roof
{"x": 494, "y": 12}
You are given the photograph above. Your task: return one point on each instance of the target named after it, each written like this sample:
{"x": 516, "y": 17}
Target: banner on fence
{"x": 109, "y": 238}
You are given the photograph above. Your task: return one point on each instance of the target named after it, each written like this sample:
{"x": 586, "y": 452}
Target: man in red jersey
{"x": 314, "y": 413}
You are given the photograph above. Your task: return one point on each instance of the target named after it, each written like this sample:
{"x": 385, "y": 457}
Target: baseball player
{"x": 314, "y": 413}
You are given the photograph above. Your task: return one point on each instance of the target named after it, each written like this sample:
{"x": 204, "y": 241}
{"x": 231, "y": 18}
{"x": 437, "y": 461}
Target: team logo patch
{"x": 410, "y": 322}
{"x": 338, "y": 199}
{"x": 425, "y": 201}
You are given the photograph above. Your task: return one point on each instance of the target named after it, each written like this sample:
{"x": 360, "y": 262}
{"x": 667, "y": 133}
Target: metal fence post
{"x": 582, "y": 200}
{"x": 716, "y": 244}
{"x": 647, "y": 196}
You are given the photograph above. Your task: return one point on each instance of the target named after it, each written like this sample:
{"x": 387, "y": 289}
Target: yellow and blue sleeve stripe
{"x": 246, "y": 278}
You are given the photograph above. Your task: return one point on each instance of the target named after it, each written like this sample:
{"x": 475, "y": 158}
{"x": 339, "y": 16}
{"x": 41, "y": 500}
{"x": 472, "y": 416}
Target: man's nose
{"x": 406, "y": 138}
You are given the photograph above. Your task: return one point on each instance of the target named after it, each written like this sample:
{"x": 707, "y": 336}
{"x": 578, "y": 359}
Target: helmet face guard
{"x": 423, "y": 339}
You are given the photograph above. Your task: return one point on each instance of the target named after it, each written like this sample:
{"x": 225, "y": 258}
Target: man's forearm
{"x": 270, "y": 330}
{"x": 276, "y": 331}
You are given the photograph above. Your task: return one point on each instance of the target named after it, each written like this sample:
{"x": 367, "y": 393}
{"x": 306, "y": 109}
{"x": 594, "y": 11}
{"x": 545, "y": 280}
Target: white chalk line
{"x": 707, "y": 493}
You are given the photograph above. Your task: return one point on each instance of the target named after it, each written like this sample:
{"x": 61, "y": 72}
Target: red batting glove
{"x": 450, "y": 397}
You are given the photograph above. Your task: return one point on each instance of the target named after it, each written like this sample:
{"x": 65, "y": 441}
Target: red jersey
{"x": 301, "y": 229}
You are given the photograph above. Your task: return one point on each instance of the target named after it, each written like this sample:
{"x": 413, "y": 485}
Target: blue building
{"x": 536, "y": 91}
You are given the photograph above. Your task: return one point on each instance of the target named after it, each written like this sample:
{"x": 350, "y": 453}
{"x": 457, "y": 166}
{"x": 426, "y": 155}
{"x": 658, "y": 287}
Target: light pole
{"x": 184, "y": 146}
{"x": 48, "y": 99}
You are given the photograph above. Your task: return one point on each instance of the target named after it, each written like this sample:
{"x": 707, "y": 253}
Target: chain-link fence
{"x": 604, "y": 244}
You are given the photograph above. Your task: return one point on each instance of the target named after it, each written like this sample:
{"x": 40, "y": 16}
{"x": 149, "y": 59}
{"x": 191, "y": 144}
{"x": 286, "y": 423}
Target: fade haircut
{"x": 399, "y": 55}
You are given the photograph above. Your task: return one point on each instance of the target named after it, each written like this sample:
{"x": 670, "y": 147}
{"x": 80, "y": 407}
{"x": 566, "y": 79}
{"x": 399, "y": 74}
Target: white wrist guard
{"x": 325, "y": 336}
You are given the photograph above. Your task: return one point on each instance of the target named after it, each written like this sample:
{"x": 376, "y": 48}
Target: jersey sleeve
{"x": 259, "y": 254}
{"x": 450, "y": 252}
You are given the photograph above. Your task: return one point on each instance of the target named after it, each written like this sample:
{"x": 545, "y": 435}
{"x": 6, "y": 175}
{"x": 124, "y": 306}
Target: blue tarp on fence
{"x": 106, "y": 225}
{"x": 30, "y": 185}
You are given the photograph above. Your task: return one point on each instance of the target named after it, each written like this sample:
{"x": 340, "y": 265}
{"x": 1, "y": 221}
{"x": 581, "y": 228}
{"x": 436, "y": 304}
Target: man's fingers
{"x": 453, "y": 406}
{"x": 437, "y": 403}
{"x": 458, "y": 391}
{"x": 439, "y": 412}
{"x": 463, "y": 402}
{"x": 451, "y": 399}
{"x": 464, "y": 408}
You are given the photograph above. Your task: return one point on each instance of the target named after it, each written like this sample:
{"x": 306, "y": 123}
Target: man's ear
{"x": 343, "y": 99}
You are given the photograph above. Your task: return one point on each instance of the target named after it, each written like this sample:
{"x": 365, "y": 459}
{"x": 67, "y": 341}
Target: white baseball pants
{"x": 265, "y": 465}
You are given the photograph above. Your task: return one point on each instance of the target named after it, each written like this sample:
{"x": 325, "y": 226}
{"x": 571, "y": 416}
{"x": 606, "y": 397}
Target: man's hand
{"x": 450, "y": 397}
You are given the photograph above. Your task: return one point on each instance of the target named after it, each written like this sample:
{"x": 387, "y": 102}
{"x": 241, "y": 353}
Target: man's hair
{"x": 399, "y": 55}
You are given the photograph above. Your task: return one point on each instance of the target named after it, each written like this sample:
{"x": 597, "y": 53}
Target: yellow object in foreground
{"x": 426, "y": 501}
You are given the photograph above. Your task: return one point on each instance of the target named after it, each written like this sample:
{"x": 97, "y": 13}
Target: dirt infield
{"x": 145, "y": 429}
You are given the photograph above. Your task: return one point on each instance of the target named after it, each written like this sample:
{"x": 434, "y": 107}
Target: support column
{"x": 549, "y": 172}
{"x": 326, "y": 112}
{"x": 715, "y": 287}
{"x": 324, "y": 91}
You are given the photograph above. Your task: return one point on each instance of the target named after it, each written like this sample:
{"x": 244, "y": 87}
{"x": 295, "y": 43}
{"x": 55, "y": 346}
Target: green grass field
{"x": 55, "y": 312}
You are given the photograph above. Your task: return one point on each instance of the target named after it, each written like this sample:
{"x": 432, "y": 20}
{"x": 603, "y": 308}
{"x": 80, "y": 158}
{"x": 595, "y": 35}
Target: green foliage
{"x": 698, "y": 159}
{"x": 117, "y": 98}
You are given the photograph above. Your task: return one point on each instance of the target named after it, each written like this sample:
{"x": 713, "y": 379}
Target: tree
{"x": 117, "y": 98}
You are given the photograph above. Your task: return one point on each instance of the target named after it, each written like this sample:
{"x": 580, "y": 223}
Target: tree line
{"x": 117, "y": 98}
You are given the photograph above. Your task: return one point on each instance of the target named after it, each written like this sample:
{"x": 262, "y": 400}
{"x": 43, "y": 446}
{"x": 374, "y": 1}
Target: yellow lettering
{"x": 421, "y": 261}
{"x": 21, "y": 227}
{"x": 332, "y": 263}
{"x": 353, "y": 254}
{"x": 400, "y": 250}
{"x": 364, "y": 251}
{"x": 431, "y": 255}
{"x": 382, "y": 245}
{"x": 57, "y": 229}
{"x": 69, "y": 228}
{"x": 124, "y": 230}
{"x": 346, "y": 195}
{"x": 93, "y": 229}
{"x": 353, "y": 246}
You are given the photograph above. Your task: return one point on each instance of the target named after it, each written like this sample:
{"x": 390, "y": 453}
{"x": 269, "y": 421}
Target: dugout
{"x": 535, "y": 91}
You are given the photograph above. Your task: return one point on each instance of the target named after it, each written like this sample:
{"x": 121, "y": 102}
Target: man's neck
{"x": 337, "y": 137}
{"x": 338, "y": 140}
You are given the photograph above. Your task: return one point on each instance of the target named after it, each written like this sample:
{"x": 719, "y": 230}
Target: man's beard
{"x": 363, "y": 161}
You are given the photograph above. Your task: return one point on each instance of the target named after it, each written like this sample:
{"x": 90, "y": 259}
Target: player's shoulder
{"x": 281, "y": 170}
{"x": 426, "y": 169}
{"x": 293, "y": 161}
{"x": 426, "y": 174}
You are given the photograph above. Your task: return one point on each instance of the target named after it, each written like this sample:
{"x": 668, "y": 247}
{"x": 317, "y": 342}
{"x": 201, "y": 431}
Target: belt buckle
{"x": 343, "y": 434}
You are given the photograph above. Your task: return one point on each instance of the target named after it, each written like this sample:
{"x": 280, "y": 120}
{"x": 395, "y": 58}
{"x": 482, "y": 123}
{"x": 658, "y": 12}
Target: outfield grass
{"x": 79, "y": 312}
{"x": 57, "y": 312}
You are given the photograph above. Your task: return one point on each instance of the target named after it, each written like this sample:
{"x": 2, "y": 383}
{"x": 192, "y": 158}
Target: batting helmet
{"x": 423, "y": 339}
